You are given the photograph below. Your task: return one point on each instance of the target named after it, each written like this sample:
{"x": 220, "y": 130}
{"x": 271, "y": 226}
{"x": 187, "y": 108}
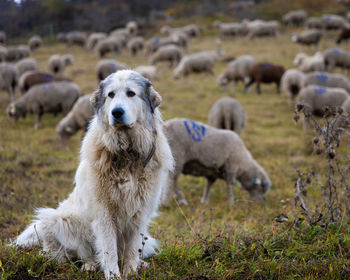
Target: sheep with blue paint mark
{"x": 202, "y": 150}
{"x": 53, "y": 98}
{"x": 316, "y": 98}
{"x": 336, "y": 57}
{"x": 327, "y": 80}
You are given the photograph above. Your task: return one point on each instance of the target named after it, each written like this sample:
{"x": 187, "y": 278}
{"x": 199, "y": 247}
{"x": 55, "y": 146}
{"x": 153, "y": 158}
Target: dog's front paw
{"x": 143, "y": 264}
{"x": 89, "y": 266}
{"x": 130, "y": 267}
{"x": 110, "y": 275}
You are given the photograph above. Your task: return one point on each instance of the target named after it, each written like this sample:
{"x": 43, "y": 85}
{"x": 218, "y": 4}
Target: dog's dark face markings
{"x": 125, "y": 98}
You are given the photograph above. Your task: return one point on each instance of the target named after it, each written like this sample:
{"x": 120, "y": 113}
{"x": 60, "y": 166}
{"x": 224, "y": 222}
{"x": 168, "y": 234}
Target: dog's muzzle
{"x": 118, "y": 114}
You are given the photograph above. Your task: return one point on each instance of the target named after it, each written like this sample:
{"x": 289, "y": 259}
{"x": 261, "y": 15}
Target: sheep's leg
{"x": 180, "y": 197}
{"x": 37, "y": 121}
{"x": 206, "y": 191}
{"x": 307, "y": 124}
{"x": 230, "y": 192}
{"x": 278, "y": 88}
{"x": 247, "y": 85}
{"x": 227, "y": 122}
{"x": 258, "y": 90}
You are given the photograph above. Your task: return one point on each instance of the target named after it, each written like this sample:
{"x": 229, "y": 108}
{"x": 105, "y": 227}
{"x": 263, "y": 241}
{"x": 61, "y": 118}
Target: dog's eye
{"x": 130, "y": 93}
{"x": 111, "y": 94}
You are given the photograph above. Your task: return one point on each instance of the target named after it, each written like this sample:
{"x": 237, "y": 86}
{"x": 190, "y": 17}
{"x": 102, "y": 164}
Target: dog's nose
{"x": 118, "y": 112}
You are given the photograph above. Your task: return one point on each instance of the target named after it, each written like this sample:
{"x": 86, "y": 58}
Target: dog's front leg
{"x": 106, "y": 246}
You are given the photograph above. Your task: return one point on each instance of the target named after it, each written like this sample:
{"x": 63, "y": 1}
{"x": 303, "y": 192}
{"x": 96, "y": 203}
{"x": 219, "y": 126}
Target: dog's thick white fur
{"x": 124, "y": 163}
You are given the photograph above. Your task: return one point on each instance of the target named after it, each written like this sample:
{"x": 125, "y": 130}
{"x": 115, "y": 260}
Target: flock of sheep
{"x": 313, "y": 84}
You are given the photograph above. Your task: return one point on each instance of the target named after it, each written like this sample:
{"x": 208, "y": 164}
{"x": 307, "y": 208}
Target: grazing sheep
{"x": 336, "y": 57}
{"x": 122, "y": 35}
{"x": 227, "y": 113}
{"x": 29, "y": 79}
{"x": 135, "y": 45}
{"x": 344, "y": 35}
{"x": 344, "y": 120}
{"x": 197, "y": 63}
{"x": 259, "y": 28}
{"x": 232, "y": 29}
{"x": 330, "y": 22}
{"x": 26, "y": 64}
{"x": 106, "y": 67}
{"x": 314, "y": 23}
{"x": 2, "y": 37}
{"x": 148, "y": 71}
{"x": 23, "y": 51}
{"x": 8, "y": 79}
{"x": 57, "y": 63}
{"x": 202, "y": 150}
{"x": 12, "y": 54}
{"x": 327, "y": 80}
{"x": 264, "y": 72}
{"x": 310, "y": 63}
{"x": 108, "y": 45}
{"x": 93, "y": 40}
{"x": 170, "y": 53}
{"x": 35, "y": 42}
{"x": 76, "y": 38}
{"x": 295, "y": 18}
{"x": 237, "y": 70}
{"x": 132, "y": 27}
{"x": 292, "y": 82}
{"x": 180, "y": 38}
{"x": 316, "y": 98}
{"x": 308, "y": 37}
{"x": 192, "y": 30}
{"x": 61, "y": 37}
{"x": 155, "y": 43}
{"x": 78, "y": 118}
{"x": 3, "y": 54}
{"x": 53, "y": 98}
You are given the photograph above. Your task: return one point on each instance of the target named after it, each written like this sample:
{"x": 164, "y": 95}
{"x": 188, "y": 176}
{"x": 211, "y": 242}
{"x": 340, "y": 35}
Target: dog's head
{"x": 125, "y": 98}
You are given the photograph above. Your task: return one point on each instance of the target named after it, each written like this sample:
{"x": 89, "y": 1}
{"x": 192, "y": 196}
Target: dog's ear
{"x": 97, "y": 98}
{"x": 153, "y": 97}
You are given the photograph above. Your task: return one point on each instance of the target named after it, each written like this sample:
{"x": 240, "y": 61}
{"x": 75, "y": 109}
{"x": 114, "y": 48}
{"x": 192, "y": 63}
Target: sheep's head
{"x": 15, "y": 112}
{"x": 299, "y": 58}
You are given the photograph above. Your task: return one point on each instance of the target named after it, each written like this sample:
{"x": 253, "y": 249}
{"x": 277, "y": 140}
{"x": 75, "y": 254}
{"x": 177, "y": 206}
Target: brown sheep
{"x": 53, "y": 98}
{"x": 202, "y": 150}
{"x": 227, "y": 113}
{"x": 29, "y": 79}
{"x": 264, "y": 72}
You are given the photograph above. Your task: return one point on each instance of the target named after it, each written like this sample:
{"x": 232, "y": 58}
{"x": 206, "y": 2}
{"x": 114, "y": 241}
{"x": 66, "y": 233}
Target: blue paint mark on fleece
{"x": 195, "y": 130}
{"x": 322, "y": 78}
{"x": 320, "y": 90}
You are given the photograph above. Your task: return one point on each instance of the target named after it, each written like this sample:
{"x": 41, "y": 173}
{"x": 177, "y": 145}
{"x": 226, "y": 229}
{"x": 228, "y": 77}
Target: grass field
{"x": 217, "y": 241}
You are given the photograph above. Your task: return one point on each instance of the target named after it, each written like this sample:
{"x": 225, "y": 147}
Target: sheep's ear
{"x": 153, "y": 97}
{"x": 12, "y": 109}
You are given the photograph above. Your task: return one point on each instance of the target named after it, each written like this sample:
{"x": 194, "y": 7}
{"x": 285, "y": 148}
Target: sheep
{"x": 197, "y": 62}
{"x": 132, "y": 27}
{"x": 155, "y": 43}
{"x": 26, "y": 64}
{"x": 259, "y": 28}
{"x": 344, "y": 120}
{"x": 58, "y": 63}
{"x": 76, "y": 38}
{"x": 53, "y": 98}
{"x": 35, "y": 42}
{"x": 314, "y": 23}
{"x": 232, "y": 29}
{"x": 236, "y": 70}
{"x": 227, "y": 113}
{"x": 8, "y": 79}
{"x": 3, "y": 53}
{"x": 336, "y": 57}
{"x": 148, "y": 71}
{"x": 308, "y": 37}
{"x": 295, "y": 18}
{"x": 333, "y": 22}
{"x": 106, "y": 67}
{"x": 171, "y": 53}
{"x": 202, "y": 150}
{"x": 23, "y": 51}
{"x": 343, "y": 36}
{"x": 327, "y": 80}
{"x": 77, "y": 118}
{"x": 135, "y": 45}
{"x": 61, "y": 37}
{"x": 2, "y": 37}
{"x": 32, "y": 78}
{"x": 264, "y": 72}
{"x": 192, "y": 30}
{"x": 310, "y": 63}
{"x": 316, "y": 98}
{"x": 292, "y": 82}
{"x": 93, "y": 40}
{"x": 12, "y": 54}
{"x": 122, "y": 35}
{"x": 108, "y": 45}
{"x": 180, "y": 38}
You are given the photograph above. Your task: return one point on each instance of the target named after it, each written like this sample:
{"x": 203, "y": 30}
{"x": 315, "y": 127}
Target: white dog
{"x": 125, "y": 159}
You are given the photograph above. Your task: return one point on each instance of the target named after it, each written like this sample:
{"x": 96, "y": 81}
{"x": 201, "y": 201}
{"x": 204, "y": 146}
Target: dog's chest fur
{"x": 124, "y": 184}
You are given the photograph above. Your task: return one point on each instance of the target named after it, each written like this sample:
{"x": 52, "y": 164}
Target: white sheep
{"x": 105, "y": 67}
{"x": 295, "y": 18}
{"x": 169, "y": 53}
{"x": 26, "y": 64}
{"x": 35, "y": 42}
{"x": 8, "y": 79}
{"x": 336, "y": 57}
{"x": 310, "y": 63}
{"x": 93, "y": 39}
{"x": 293, "y": 81}
{"x": 148, "y": 71}
{"x": 328, "y": 80}
{"x": 135, "y": 45}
